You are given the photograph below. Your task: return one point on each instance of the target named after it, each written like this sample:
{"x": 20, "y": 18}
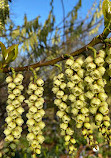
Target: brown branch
{"x": 95, "y": 41}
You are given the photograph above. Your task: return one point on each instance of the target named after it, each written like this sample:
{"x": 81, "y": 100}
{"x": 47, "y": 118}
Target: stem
{"x": 13, "y": 72}
{"x": 34, "y": 73}
{"x": 98, "y": 39}
{"x": 93, "y": 50}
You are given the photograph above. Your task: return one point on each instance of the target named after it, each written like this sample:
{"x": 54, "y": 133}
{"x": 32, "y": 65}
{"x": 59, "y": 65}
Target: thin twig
{"x": 95, "y": 41}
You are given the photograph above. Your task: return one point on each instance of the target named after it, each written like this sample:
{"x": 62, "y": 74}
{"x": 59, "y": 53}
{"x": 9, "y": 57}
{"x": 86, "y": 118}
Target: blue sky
{"x": 33, "y": 8}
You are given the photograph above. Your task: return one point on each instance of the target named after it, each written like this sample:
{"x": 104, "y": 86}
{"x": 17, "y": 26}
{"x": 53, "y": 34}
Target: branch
{"x": 96, "y": 40}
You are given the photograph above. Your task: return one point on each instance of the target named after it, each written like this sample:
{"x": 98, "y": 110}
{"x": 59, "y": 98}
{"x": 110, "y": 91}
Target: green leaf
{"x": 106, "y": 8}
{"x": 3, "y": 49}
{"x": 12, "y": 53}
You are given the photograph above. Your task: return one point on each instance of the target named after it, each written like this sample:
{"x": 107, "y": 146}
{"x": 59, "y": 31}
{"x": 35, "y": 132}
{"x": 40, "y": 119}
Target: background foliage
{"x": 40, "y": 42}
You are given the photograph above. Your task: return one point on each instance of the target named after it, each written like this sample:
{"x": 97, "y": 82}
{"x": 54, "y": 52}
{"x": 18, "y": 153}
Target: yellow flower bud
{"x": 30, "y": 137}
{"x": 67, "y": 138}
{"x": 19, "y": 121}
{"x": 40, "y": 139}
{"x": 9, "y": 79}
{"x": 40, "y": 82}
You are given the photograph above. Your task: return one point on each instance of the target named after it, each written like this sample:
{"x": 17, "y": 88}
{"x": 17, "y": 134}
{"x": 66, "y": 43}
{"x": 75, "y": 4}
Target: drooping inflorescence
{"x": 81, "y": 96}
{"x": 14, "y": 111}
{"x": 35, "y": 114}
{"x": 61, "y": 101}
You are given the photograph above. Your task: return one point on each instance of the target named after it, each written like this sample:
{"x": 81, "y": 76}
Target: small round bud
{"x": 79, "y": 104}
{"x": 11, "y": 125}
{"x": 7, "y": 131}
{"x": 81, "y": 85}
{"x": 76, "y": 79}
{"x": 59, "y": 94}
{"x": 9, "y": 138}
{"x": 69, "y": 63}
{"x": 20, "y": 110}
{"x": 20, "y": 76}
{"x": 102, "y": 96}
{"x": 80, "y": 118}
{"x": 80, "y": 60}
{"x": 75, "y": 66}
{"x": 30, "y": 122}
{"x": 95, "y": 102}
{"x": 60, "y": 114}
{"x": 17, "y": 92}
{"x": 77, "y": 91}
{"x": 79, "y": 125}
{"x": 70, "y": 85}
{"x": 69, "y": 72}
{"x": 69, "y": 131}
{"x": 89, "y": 59}
{"x": 20, "y": 98}
{"x": 64, "y": 98}
{"x": 8, "y": 119}
{"x": 95, "y": 74}
{"x": 9, "y": 79}
{"x": 67, "y": 138}
{"x": 38, "y": 117}
{"x": 40, "y": 82}
{"x": 11, "y": 96}
{"x": 80, "y": 73}
{"x": 32, "y": 87}
{"x": 66, "y": 119}
{"x": 90, "y": 67}
{"x": 74, "y": 111}
{"x": 10, "y": 108}
{"x": 73, "y": 141}
{"x": 16, "y": 103}
{"x": 63, "y": 126}
{"x": 93, "y": 110}
{"x": 98, "y": 117}
{"x": 36, "y": 130}
{"x": 21, "y": 87}
{"x": 32, "y": 98}
{"x": 19, "y": 121}
{"x": 41, "y": 124}
{"x": 108, "y": 60}
{"x": 32, "y": 110}
{"x": 72, "y": 98}
{"x": 62, "y": 106}
{"x": 84, "y": 131}
{"x": 63, "y": 86}
{"x": 88, "y": 80}
{"x": 89, "y": 94}
{"x": 102, "y": 70}
{"x": 55, "y": 90}
{"x": 87, "y": 125}
{"x": 17, "y": 81}
{"x": 84, "y": 110}
{"x": 101, "y": 53}
{"x": 57, "y": 101}
{"x": 41, "y": 112}
{"x": 104, "y": 110}
{"x": 40, "y": 139}
{"x": 57, "y": 83}
{"x": 30, "y": 137}
{"x": 106, "y": 123}
{"x": 38, "y": 151}
{"x": 99, "y": 61}
{"x": 101, "y": 82}
{"x": 11, "y": 86}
